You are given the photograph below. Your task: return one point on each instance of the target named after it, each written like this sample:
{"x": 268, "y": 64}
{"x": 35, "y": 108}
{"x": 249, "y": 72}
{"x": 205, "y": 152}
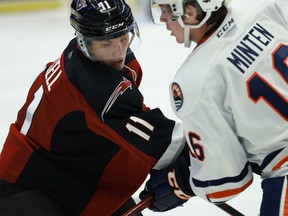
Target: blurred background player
{"x": 84, "y": 141}
{"x": 232, "y": 97}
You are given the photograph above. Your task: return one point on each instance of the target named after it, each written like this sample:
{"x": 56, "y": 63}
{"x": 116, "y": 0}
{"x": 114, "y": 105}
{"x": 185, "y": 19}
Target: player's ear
{"x": 190, "y": 15}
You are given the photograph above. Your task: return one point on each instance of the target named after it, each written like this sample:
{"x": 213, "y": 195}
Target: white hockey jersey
{"x": 231, "y": 94}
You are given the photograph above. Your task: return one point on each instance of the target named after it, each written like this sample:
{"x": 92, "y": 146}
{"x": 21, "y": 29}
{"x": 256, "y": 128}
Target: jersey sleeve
{"x": 152, "y": 133}
{"x": 221, "y": 181}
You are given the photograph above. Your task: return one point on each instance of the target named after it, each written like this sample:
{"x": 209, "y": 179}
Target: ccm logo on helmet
{"x": 118, "y": 25}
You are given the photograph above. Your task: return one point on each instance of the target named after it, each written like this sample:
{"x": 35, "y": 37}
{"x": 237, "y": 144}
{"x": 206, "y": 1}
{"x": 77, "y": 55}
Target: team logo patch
{"x": 177, "y": 96}
{"x": 119, "y": 90}
{"x": 81, "y": 4}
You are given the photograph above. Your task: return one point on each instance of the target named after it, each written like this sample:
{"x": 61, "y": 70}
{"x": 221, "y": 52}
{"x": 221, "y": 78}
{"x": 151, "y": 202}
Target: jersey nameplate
{"x": 246, "y": 52}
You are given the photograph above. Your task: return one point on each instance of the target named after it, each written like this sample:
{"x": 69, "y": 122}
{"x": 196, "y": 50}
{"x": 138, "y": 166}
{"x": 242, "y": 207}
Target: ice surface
{"x": 29, "y": 40}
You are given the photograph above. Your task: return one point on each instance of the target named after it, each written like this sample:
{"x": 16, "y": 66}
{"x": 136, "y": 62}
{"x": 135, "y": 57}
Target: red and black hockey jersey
{"x": 85, "y": 137}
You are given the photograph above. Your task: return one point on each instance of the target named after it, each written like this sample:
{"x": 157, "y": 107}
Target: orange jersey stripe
{"x": 228, "y": 193}
{"x": 278, "y": 165}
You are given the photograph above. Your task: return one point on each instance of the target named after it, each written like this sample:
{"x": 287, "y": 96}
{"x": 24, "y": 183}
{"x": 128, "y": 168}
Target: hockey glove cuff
{"x": 169, "y": 187}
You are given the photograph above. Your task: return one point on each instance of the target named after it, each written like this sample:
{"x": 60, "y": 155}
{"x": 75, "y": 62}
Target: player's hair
{"x": 215, "y": 17}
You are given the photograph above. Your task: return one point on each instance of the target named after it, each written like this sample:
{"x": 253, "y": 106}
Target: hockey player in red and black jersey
{"x": 84, "y": 141}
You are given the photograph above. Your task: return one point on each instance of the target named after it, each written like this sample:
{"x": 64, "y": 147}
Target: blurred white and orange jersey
{"x": 232, "y": 97}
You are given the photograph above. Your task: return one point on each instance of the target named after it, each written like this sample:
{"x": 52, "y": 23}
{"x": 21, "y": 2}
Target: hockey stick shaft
{"x": 229, "y": 209}
{"x": 139, "y": 207}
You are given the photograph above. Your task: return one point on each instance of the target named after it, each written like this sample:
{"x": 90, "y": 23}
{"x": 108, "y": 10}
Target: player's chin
{"x": 180, "y": 41}
{"x": 117, "y": 65}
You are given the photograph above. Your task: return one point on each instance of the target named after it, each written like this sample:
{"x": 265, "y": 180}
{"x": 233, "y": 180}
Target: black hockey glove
{"x": 170, "y": 187}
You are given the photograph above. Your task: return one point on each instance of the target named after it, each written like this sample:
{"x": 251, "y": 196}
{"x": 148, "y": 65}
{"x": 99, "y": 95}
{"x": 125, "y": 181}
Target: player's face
{"x": 111, "y": 52}
{"x": 171, "y": 23}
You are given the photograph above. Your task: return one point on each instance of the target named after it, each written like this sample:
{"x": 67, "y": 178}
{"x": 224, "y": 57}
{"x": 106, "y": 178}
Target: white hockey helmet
{"x": 209, "y": 5}
{"x": 178, "y": 9}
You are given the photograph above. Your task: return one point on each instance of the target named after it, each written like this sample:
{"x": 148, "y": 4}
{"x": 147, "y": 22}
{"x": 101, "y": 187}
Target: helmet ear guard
{"x": 175, "y": 6}
{"x": 210, "y": 5}
{"x": 83, "y": 45}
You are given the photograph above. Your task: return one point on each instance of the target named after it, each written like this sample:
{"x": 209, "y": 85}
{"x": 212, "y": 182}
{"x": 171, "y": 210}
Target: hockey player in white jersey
{"x": 231, "y": 94}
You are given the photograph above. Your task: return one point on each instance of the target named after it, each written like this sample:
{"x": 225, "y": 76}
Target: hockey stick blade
{"x": 139, "y": 207}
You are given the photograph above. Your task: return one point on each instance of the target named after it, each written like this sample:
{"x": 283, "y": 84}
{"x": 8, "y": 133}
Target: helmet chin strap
{"x": 187, "y": 41}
